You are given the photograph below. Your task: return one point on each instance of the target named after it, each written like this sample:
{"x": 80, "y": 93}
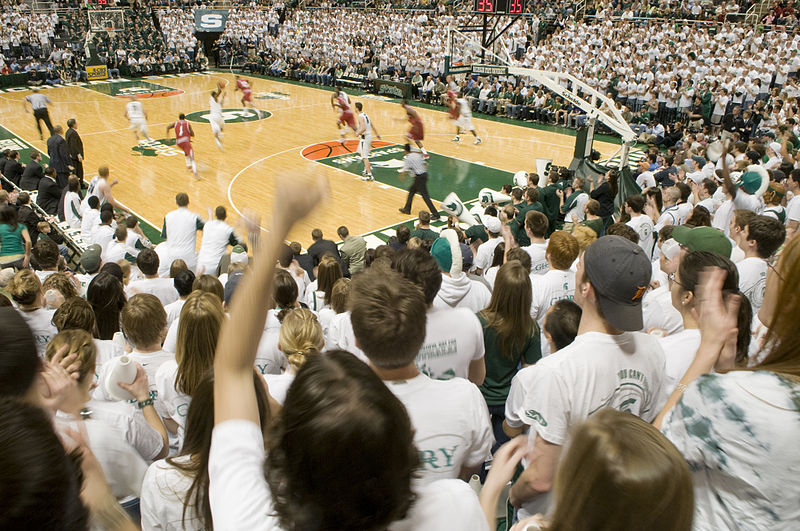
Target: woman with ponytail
{"x": 300, "y": 337}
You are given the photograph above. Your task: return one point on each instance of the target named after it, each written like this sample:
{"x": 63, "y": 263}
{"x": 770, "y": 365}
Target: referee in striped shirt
{"x": 39, "y": 105}
{"x": 415, "y": 164}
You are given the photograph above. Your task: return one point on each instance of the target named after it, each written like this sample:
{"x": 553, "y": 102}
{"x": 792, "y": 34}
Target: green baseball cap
{"x": 703, "y": 239}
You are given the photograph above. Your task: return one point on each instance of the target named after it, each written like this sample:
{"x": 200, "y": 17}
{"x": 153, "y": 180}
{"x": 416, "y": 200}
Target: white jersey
{"x": 217, "y": 235}
{"x": 134, "y": 110}
{"x": 367, "y": 125}
{"x": 215, "y": 108}
{"x": 464, "y": 108}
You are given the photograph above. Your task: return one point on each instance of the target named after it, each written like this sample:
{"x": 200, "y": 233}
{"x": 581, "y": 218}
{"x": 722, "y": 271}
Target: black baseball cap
{"x": 619, "y": 271}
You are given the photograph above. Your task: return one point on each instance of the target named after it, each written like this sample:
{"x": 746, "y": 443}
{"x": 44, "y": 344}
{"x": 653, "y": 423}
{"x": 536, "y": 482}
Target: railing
{"x": 757, "y": 11}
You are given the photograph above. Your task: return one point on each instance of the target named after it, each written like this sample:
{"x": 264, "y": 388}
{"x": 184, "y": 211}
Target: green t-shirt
{"x": 501, "y": 370}
{"x": 518, "y": 224}
{"x": 424, "y": 234}
{"x": 477, "y": 232}
{"x": 11, "y": 241}
{"x": 594, "y": 224}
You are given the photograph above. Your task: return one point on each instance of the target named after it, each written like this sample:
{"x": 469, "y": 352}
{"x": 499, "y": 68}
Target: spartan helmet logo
{"x": 454, "y": 207}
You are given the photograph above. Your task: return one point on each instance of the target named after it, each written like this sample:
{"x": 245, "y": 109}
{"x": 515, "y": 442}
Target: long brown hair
{"x": 328, "y": 272}
{"x": 622, "y": 473}
{"x": 509, "y": 310}
{"x": 197, "y": 444}
{"x": 198, "y": 330}
{"x": 783, "y": 339}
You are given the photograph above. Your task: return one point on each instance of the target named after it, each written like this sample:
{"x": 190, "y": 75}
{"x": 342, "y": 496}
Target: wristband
{"x": 144, "y": 403}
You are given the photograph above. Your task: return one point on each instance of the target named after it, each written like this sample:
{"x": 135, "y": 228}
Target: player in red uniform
{"x": 416, "y": 132}
{"x": 247, "y": 94}
{"x": 183, "y": 139}
{"x": 346, "y": 115}
{"x": 452, "y": 96}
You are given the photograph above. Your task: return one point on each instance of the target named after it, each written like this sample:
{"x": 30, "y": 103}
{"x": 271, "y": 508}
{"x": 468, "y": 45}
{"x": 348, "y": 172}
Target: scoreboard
{"x": 511, "y": 7}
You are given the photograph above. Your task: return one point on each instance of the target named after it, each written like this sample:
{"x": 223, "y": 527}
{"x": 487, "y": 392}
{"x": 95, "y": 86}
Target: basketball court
{"x": 294, "y": 132}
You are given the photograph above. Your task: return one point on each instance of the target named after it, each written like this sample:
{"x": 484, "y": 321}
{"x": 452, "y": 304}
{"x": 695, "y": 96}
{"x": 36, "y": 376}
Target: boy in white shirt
{"x": 762, "y": 236}
{"x": 559, "y": 281}
{"x": 144, "y": 324}
{"x": 217, "y": 235}
{"x": 162, "y": 288}
{"x": 450, "y": 418}
{"x": 642, "y": 224}
{"x": 457, "y": 289}
{"x": 180, "y": 231}
{"x": 606, "y": 366}
{"x": 536, "y": 225}
{"x": 453, "y": 346}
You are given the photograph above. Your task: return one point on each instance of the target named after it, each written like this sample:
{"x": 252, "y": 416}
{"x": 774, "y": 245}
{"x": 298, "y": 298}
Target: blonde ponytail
{"x": 300, "y": 336}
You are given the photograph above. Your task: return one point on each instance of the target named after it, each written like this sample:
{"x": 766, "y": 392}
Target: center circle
{"x": 230, "y": 116}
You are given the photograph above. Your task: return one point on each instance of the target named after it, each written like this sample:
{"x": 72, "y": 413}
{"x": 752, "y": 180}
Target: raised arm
{"x": 234, "y": 395}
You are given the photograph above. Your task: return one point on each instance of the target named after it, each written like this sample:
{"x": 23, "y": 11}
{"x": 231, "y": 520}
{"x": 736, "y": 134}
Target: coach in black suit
{"x": 75, "y": 146}
{"x": 321, "y": 247}
{"x": 49, "y": 192}
{"x": 33, "y": 173}
{"x": 13, "y": 169}
{"x": 59, "y": 156}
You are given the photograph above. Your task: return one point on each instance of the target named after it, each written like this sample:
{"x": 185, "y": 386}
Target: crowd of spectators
{"x": 444, "y": 345}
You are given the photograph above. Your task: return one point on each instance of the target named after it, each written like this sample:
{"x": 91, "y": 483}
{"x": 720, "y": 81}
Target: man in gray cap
{"x": 608, "y": 364}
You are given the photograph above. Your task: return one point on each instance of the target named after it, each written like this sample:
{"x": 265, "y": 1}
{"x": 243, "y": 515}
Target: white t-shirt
{"x": 451, "y": 424}
{"x": 341, "y": 336}
{"x": 793, "y": 209}
{"x": 151, "y": 362}
{"x": 453, "y": 339}
{"x": 103, "y": 235}
{"x": 624, "y": 372}
{"x": 658, "y": 311}
{"x": 745, "y": 201}
{"x": 180, "y": 227}
{"x": 163, "y": 288}
{"x": 269, "y": 358}
{"x": 679, "y": 351}
{"x": 553, "y": 286}
{"x": 89, "y": 222}
{"x": 130, "y": 421}
{"x": 122, "y": 466}
{"x": 646, "y": 179}
{"x": 72, "y": 209}
{"x": 163, "y": 490}
{"x": 278, "y": 385}
{"x": 522, "y": 384}
{"x": 539, "y": 265}
{"x": 485, "y": 253}
{"x": 171, "y": 403}
{"x": 643, "y": 226}
{"x": 40, "y": 322}
{"x": 217, "y": 235}
{"x": 753, "y": 280}
{"x": 576, "y": 213}
{"x": 173, "y": 310}
{"x": 240, "y": 497}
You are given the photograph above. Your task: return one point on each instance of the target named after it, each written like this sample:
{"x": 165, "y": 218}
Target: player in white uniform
{"x": 215, "y": 117}
{"x": 364, "y": 133}
{"x": 464, "y": 120}
{"x": 134, "y": 112}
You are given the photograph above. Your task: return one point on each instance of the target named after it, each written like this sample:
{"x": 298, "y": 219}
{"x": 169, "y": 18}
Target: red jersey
{"x": 243, "y": 85}
{"x": 182, "y": 132}
{"x": 344, "y": 105}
